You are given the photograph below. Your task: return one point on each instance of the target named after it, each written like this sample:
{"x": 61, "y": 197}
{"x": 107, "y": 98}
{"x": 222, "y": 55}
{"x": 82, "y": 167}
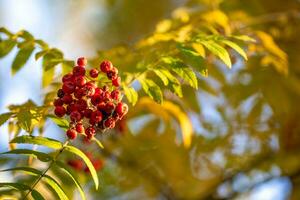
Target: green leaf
{"x": 182, "y": 70}
{"x": 42, "y": 44}
{"x": 38, "y": 140}
{"x": 63, "y": 168}
{"x": 47, "y": 76}
{"x": 188, "y": 75}
{"x": 4, "y": 117}
{"x": 175, "y": 88}
{"x": 236, "y": 47}
{"x": 131, "y": 94}
{"x": 52, "y": 58}
{"x": 41, "y": 54}
{"x": 193, "y": 58}
{"x": 16, "y": 186}
{"x": 6, "y": 46}
{"x": 36, "y": 195}
{"x": 21, "y": 59}
{"x": 62, "y": 123}
{"x": 98, "y": 142}
{"x": 152, "y": 89}
{"x": 87, "y": 161}
{"x": 36, "y": 154}
{"x": 162, "y": 76}
{"x": 218, "y": 51}
{"x": 48, "y": 179}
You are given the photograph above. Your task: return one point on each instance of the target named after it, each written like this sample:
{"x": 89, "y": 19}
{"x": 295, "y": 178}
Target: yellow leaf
{"x": 219, "y": 18}
{"x": 163, "y": 26}
{"x": 167, "y": 110}
{"x": 277, "y": 57}
{"x": 199, "y": 48}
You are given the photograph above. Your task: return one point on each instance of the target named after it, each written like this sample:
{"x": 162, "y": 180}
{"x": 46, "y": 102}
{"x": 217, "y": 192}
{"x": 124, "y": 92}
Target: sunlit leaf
{"x": 87, "y": 161}
{"x": 152, "y": 89}
{"x": 131, "y": 94}
{"x": 98, "y": 142}
{"x": 218, "y": 51}
{"x": 61, "y": 122}
{"x": 63, "y": 168}
{"x": 36, "y": 154}
{"x": 38, "y": 140}
{"x": 236, "y": 47}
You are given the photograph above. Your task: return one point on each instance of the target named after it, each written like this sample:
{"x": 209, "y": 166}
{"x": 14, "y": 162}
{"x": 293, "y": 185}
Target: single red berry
{"x": 76, "y": 164}
{"x": 89, "y": 90}
{"x": 79, "y": 128}
{"x": 79, "y": 93}
{"x": 119, "y": 109}
{"x": 88, "y": 113}
{"x": 96, "y": 99}
{"x": 94, "y": 73}
{"x": 72, "y": 134}
{"x": 115, "y": 94}
{"x": 59, "y": 111}
{"x": 105, "y": 96}
{"x": 81, "y": 104}
{"x": 106, "y": 66}
{"x": 101, "y": 106}
{"x": 71, "y": 108}
{"x": 109, "y": 123}
{"x": 67, "y": 99}
{"x": 75, "y": 116}
{"x": 82, "y": 61}
{"x": 96, "y": 116}
{"x": 60, "y": 93}
{"x": 58, "y": 102}
{"x": 90, "y": 131}
{"x": 117, "y": 81}
{"x": 98, "y": 91}
{"x": 98, "y": 164}
{"x": 80, "y": 81}
{"x": 112, "y": 73}
{"x": 109, "y": 107}
{"x": 79, "y": 71}
{"x": 68, "y": 87}
{"x": 67, "y": 77}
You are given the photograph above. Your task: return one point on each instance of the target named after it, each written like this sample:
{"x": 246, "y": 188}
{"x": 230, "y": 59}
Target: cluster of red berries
{"x": 79, "y": 165}
{"x": 91, "y": 108}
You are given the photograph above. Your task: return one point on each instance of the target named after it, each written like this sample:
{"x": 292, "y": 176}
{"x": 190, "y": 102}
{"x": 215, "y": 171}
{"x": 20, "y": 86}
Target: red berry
{"x": 71, "y": 108}
{"x": 79, "y": 128}
{"x": 109, "y": 123}
{"x": 115, "y": 94}
{"x": 98, "y": 91}
{"x": 96, "y": 99}
{"x": 121, "y": 109}
{"x": 72, "y": 134}
{"x": 89, "y": 90}
{"x": 96, "y": 116}
{"x": 94, "y": 73}
{"x": 98, "y": 164}
{"x": 90, "y": 131}
{"x": 87, "y": 113}
{"x": 109, "y": 107}
{"x": 80, "y": 81}
{"x": 105, "y": 96}
{"x": 101, "y": 106}
{"x": 117, "y": 81}
{"x": 82, "y": 61}
{"x": 59, "y": 111}
{"x": 81, "y": 104}
{"x": 79, "y": 71}
{"x": 75, "y": 116}
{"x": 79, "y": 93}
{"x": 60, "y": 93}
{"x": 58, "y": 102}
{"x": 67, "y": 99}
{"x": 68, "y": 87}
{"x": 76, "y": 164}
{"x": 106, "y": 66}
{"x": 68, "y": 77}
{"x": 112, "y": 74}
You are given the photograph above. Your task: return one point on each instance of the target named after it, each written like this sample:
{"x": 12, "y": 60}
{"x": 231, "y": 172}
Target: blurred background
{"x": 245, "y": 120}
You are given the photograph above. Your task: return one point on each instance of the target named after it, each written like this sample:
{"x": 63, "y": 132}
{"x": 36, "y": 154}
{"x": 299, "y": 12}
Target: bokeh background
{"x": 245, "y": 120}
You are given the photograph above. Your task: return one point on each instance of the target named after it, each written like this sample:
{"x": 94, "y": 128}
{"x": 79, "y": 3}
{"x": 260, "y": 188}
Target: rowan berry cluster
{"x": 92, "y": 105}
